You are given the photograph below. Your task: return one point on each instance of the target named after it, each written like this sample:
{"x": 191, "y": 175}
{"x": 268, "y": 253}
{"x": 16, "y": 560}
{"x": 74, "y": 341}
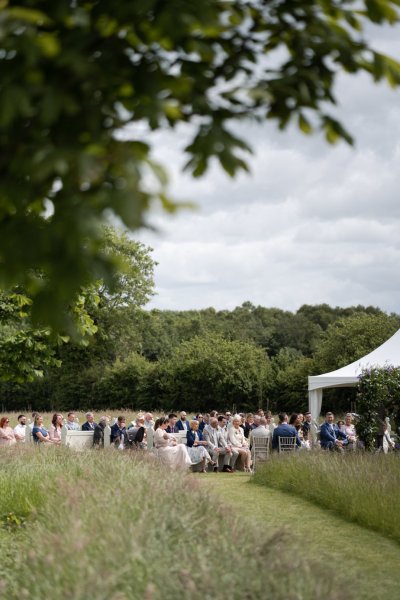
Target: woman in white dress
{"x": 238, "y": 441}
{"x": 170, "y": 453}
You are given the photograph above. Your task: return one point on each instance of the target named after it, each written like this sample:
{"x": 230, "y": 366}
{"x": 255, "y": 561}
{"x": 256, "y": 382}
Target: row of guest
{"x": 331, "y": 437}
{"x": 9, "y": 436}
{"x": 203, "y": 446}
{"x": 261, "y": 426}
{"x": 248, "y": 424}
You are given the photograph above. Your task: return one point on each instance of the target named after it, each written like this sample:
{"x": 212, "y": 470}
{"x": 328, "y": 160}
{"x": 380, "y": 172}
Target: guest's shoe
{"x": 227, "y": 469}
{"x": 215, "y": 469}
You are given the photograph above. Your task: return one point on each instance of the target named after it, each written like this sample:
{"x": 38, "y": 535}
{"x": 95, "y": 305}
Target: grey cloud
{"x": 313, "y": 223}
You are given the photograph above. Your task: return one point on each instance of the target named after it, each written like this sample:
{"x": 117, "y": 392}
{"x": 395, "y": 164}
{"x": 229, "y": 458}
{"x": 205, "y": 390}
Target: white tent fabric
{"x": 386, "y": 354}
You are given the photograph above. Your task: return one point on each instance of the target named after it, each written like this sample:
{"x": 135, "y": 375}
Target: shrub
{"x": 377, "y": 397}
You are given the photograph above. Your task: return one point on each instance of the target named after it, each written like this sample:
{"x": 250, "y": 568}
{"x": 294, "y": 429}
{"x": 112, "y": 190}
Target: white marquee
{"x": 386, "y": 354}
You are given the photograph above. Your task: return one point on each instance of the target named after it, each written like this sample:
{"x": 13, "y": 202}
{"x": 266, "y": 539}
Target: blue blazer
{"x": 117, "y": 432}
{"x": 183, "y": 425}
{"x": 327, "y": 438}
{"x": 284, "y": 430}
{"x": 191, "y": 438}
{"x": 86, "y": 426}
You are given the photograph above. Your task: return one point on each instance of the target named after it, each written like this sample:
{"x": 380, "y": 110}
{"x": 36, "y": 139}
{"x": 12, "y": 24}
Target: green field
{"x": 116, "y": 526}
{"x": 366, "y": 560}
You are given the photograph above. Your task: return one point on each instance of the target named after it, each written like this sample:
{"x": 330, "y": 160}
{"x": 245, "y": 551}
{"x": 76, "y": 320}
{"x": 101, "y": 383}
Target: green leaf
{"x": 304, "y": 124}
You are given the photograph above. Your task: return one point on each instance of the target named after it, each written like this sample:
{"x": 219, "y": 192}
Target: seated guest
{"x": 136, "y": 433}
{"x": 90, "y": 424}
{"x": 228, "y": 416}
{"x": 183, "y": 423}
{"x": 169, "y": 452}
{"x": 7, "y": 435}
{"x": 348, "y": 428}
{"x": 248, "y": 425}
{"x": 20, "y": 429}
{"x": 40, "y": 434}
{"x": 201, "y": 421}
{"x": 300, "y": 421}
{"x": 118, "y": 431}
{"x": 197, "y": 447}
{"x": 98, "y": 434}
{"x": 71, "y": 424}
{"x": 331, "y": 438}
{"x": 172, "y": 426}
{"x": 260, "y": 431}
{"x": 55, "y": 428}
{"x": 223, "y": 426}
{"x": 218, "y": 446}
{"x": 148, "y": 420}
{"x": 296, "y": 422}
{"x": 284, "y": 430}
{"x": 238, "y": 441}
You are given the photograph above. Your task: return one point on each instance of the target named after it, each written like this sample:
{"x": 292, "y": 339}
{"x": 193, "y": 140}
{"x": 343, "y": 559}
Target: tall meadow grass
{"x": 361, "y": 487}
{"x": 107, "y": 525}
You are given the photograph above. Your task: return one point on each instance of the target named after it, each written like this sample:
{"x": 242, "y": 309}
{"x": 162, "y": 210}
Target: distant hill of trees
{"x": 248, "y": 357}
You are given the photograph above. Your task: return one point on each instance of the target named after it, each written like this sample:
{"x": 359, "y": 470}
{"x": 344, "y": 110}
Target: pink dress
{"x": 7, "y": 436}
{"x": 55, "y": 434}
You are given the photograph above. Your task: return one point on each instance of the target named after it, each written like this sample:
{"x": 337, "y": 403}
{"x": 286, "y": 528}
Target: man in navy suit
{"x": 172, "y": 426}
{"x": 118, "y": 431}
{"x": 331, "y": 438}
{"x": 183, "y": 423}
{"x": 90, "y": 424}
{"x": 284, "y": 430}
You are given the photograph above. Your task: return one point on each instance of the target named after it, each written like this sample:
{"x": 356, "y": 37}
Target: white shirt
{"x": 20, "y": 431}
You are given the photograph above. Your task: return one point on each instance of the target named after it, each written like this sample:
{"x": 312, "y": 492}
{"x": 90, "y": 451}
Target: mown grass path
{"x": 368, "y": 560}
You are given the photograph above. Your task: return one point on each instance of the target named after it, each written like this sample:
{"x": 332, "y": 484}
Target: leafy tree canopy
{"x": 351, "y": 338}
{"x": 27, "y": 349}
{"x": 74, "y": 75}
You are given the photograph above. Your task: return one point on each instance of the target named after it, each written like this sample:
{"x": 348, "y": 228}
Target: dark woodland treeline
{"x": 249, "y": 357}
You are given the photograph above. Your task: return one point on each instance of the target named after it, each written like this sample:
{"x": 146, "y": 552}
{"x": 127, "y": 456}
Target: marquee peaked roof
{"x": 386, "y": 354}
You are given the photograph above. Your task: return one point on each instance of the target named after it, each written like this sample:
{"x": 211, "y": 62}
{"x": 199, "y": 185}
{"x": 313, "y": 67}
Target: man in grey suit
{"x": 218, "y": 446}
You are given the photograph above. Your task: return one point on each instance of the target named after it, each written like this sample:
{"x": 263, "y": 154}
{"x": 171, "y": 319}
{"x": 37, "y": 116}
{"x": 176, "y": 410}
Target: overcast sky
{"x": 312, "y": 223}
